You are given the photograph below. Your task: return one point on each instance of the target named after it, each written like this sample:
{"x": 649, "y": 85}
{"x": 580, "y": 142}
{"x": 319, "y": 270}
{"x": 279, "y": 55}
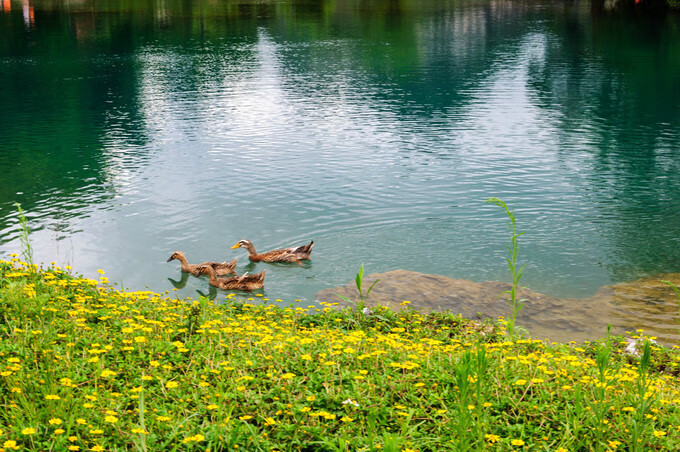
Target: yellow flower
{"x": 492, "y": 438}
{"x": 81, "y": 421}
{"x": 245, "y": 418}
{"x": 171, "y": 384}
{"x": 28, "y": 431}
{"x": 97, "y": 448}
{"x": 212, "y": 407}
{"x": 517, "y": 442}
{"x": 269, "y": 421}
{"x": 10, "y": 444}
{"x": 659, "y": 433}
{"x": 55, "y": 421}
{"x": 73, "y": 447}
{"x": 52, "y": 397}
{"x": 346, "y": 419}
{"x": 111, "y": 419}
{"x": 59, "y": 431}
{"x": 520, "y": 382}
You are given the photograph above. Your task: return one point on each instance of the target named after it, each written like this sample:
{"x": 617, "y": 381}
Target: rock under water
{"x": 646, "y": 304}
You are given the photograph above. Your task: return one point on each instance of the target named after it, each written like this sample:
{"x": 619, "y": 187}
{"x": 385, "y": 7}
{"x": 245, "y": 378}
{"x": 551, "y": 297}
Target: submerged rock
{"x": 647, "y": 304}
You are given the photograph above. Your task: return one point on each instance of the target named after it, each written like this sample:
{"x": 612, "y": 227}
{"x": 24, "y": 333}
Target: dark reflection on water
{"x": 133, "y": 129}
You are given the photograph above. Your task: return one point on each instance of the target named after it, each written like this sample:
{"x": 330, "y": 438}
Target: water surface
{"x": 134, "y": 129}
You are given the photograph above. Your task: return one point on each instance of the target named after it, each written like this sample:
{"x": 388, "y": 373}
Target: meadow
{"x": 84, "y": 366}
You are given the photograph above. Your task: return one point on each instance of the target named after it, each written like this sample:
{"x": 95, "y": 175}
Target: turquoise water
{"x": 130, "y": 130}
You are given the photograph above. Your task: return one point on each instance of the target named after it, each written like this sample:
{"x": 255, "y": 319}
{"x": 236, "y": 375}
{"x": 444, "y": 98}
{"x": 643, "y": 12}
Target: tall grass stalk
{"x": 645, "y": 399}
{"x": 516, "y": 273}
{"x": 24, "y": 236}
{"x": 600, "y": 406}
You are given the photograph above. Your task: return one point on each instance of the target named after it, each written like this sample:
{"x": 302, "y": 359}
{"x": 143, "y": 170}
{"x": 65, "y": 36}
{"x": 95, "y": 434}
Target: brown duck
{"x": 294, "y": 254}
{"x": 221, "y": 268}
{"x": 244, "y": 282}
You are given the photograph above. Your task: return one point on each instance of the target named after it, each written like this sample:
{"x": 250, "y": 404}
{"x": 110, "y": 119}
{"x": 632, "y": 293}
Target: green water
{"x": 129, "y": 130}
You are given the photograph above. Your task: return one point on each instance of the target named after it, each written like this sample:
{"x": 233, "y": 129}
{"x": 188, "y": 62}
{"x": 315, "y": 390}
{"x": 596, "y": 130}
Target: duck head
{"x": 176, "y": 255}
{"x": 242, "y": 244}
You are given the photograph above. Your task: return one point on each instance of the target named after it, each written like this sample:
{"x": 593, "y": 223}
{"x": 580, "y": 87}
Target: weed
{"x": 359, "y": 283}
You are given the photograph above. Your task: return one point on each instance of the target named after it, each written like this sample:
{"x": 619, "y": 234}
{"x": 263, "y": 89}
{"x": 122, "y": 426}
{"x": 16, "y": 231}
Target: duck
{"x": 245, "y": 282}
{"x": 294, "y": 254}
{"x": 221, "y": 268}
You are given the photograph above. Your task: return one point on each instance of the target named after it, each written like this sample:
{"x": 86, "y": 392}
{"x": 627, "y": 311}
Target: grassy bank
{"x": 87, "y": 367}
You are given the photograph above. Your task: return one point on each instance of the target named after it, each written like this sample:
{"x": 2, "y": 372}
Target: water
{"x": 130, "y": 130}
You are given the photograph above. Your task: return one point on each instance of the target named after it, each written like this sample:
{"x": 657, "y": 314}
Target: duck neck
{"x": 251, "y": 249}
{"x": 184, "y": 263}
{"x": 212, "y": 275}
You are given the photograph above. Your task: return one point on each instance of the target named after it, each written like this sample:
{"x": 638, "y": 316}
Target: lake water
{"x": 132, "y": 129}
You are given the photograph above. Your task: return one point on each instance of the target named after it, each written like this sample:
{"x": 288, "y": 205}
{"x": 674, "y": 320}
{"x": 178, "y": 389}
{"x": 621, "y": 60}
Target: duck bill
{"x": 235, "y": 246}
{"x": 169, "y": 259}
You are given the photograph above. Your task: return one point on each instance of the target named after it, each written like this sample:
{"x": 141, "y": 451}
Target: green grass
{"x": 87, "y": 367}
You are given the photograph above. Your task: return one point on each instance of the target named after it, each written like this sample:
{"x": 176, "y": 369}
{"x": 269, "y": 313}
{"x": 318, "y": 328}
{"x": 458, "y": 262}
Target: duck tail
{"x": 306, "y": 249}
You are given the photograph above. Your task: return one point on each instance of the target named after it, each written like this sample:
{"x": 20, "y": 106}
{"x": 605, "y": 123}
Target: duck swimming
{"x": 294, "y": 254}
{"x": 221, "y": 268}
{"x": 244, "y": 282}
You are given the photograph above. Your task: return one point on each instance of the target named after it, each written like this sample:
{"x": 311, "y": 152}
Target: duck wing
{"x": 221, "y": 268}
{"x": 292, "y": 254}
{"x": 224, "y": 268}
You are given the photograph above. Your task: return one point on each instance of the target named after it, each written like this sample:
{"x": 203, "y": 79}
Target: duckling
{"x": 245, "y": 282}
{"x": 283, "y": 255}
{"x": 221, "y": 268}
